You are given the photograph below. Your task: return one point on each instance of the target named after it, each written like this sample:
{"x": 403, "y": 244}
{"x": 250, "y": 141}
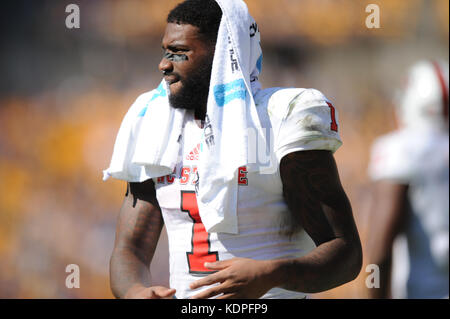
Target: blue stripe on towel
{"x": 259, "y": 63}
{"x": 160, "y": 92}
{"x": 225, "y": 93}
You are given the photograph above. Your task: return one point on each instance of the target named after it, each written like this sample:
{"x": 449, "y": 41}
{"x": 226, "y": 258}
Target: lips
{"x": 171, "y": 79}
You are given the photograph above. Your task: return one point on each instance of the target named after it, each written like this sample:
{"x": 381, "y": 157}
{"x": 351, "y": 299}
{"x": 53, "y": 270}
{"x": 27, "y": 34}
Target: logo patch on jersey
{"x": 194, "y": 154}
{"x": 242, "y": 176}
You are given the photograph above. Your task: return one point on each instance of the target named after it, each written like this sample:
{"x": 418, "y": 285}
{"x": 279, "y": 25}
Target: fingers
{"x": 213, "y": 278}
{"x": 224, "y": 290}
{"x": 156, "y": 292}
{"x": 206, "y": 281}
{"x": 218, "y": 265}
{"x": 161, "y": 292}
{"x": 218, "y": 277}
{"x": 208, "y": 293}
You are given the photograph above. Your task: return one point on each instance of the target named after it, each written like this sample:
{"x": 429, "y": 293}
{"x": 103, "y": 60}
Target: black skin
{"x": 312, "y": 191}
{"x": 186, "y": 66}
{"x": 138, "y": 229}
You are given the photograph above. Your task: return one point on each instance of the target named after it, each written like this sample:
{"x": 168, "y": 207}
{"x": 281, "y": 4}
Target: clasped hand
{"x": 235, "y": 278}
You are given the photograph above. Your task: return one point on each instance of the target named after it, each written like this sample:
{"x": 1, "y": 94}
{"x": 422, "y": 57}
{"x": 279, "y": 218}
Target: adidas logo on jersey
{"x": 194, "y": 154}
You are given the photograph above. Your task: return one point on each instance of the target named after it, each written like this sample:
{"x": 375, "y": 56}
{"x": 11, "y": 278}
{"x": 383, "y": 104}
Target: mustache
{"x": 174, "y": 74}
{"x": 166, "y": 73}
{"x": 171, "y": 77}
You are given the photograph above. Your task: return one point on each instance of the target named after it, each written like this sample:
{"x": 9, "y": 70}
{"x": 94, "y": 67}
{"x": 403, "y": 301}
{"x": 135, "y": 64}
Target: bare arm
{"x": 386, "y": 218}
{"x": 314, "y": 194}
{"x": 138, "y": 229}
{"x": 319, "y": 204}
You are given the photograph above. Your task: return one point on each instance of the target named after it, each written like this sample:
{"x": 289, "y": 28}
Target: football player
{"x": 408, "y": 230}
{"x": 296, "y": 229}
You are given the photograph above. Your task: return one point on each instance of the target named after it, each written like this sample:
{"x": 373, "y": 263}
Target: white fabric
{"x": 150, "y": 149}
{"x": 424, "y": 101}
{"x": 146, "y": 145}
{"x": 420, "y": 159}
{"x": 391, "y": 157}
{"x": 306, "y": 125}
{"x": 263, "y": 214}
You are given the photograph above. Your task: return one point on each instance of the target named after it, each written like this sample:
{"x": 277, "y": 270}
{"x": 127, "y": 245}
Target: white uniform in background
{"x": 418, "y": 155}
{"x": 301, "y": 119}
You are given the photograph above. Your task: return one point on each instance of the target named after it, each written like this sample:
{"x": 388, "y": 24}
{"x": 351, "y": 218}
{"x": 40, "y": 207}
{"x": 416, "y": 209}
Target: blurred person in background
{"x": 270, "y": 253}
{"x": 409, "y": 221}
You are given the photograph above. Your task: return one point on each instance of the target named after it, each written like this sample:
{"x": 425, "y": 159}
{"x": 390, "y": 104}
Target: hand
{"x": 238, "y": 278}
{"x": 156, "y": 292}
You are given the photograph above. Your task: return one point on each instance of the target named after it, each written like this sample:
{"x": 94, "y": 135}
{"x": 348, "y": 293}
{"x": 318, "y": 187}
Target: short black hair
{"x": 204, "y": 14}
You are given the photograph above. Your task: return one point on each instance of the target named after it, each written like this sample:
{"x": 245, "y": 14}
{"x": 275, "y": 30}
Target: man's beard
{"x": 193, "y": 94}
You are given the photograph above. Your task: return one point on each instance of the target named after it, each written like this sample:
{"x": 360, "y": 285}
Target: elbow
{"x": 355, "y": 260}
{"x": 351, "y": 260}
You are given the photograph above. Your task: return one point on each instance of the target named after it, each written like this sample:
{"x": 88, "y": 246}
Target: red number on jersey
{"x": 334, "y": 126}
{"x": 200, "y": 252}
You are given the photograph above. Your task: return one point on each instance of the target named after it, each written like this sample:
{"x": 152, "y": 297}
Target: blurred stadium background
{"x": 63, "y": 93}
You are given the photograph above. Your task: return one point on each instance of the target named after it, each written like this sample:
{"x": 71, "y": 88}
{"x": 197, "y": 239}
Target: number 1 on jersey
{"x": 334, "y": 126}
{"x": 200, "y": 252}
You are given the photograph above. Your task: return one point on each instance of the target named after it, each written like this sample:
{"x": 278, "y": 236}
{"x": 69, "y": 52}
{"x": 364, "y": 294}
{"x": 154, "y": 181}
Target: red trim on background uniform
{"x": 443, "y": 89}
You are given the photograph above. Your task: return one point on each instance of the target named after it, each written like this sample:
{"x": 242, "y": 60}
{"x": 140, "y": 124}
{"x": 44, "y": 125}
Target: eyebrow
{"x": 176, "y": 47}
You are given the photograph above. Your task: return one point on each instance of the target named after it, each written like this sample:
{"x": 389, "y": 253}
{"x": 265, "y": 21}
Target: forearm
{"x": 329, "y": 265}
{"x": 127, "y": 271}
{"x": 318, "y": 204}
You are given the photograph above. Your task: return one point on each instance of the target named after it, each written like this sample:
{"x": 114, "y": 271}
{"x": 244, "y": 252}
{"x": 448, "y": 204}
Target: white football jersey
{"x": 301, "y": 119}
{"x": 419, "y": 158}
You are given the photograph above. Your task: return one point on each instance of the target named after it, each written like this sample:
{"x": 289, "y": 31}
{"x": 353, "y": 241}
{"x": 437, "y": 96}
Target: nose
{"x": 165, "y": 66}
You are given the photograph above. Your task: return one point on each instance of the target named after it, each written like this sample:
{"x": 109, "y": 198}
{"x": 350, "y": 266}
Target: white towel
{"x": 147, "y": 143}
{"x": 149, "y": 148}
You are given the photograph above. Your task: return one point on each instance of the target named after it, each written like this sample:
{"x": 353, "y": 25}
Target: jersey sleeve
{"x": 309, "y": 122}
{"x": 392, "y": 159}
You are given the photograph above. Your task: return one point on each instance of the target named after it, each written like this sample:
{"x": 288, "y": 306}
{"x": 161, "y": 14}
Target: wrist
{"x": 276, "y": 272}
